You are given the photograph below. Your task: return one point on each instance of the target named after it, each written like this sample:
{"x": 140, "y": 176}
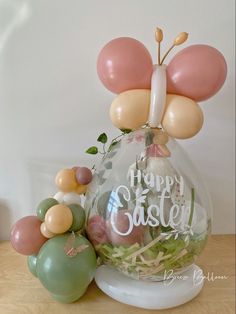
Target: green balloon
{"x": 31, "y": 261}
{"x": 66, "y": 278}
{"x": 69, "y": 299}
{"x": 78, "y": 217}
{"x": 44, "y": 206}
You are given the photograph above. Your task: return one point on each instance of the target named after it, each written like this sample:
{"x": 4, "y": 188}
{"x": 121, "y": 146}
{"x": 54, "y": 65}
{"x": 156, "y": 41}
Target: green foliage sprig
{"x": 103, "y": 139}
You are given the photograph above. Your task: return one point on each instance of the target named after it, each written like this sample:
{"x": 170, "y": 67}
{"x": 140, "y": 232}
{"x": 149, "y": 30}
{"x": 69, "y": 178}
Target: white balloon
{"x": 72, "y": 198}
{"x": 158, "y": 95}
{"x": 59, "y": 197}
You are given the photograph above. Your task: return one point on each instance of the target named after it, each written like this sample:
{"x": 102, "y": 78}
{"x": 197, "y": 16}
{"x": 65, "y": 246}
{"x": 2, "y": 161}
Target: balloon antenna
{"x": 159, "y": 38}
{"x": 179, "y": 40}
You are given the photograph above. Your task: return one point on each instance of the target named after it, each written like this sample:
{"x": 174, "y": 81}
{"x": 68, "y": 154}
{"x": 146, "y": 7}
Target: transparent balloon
{"x": 148, "y": 210}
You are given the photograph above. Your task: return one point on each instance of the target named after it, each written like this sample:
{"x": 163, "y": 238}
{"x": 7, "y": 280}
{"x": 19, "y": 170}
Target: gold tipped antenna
{"x": 179, "y": 40}
{"x": 159, "y": 38}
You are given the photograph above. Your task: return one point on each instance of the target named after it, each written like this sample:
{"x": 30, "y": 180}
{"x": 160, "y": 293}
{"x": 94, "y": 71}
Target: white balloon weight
{"x": 148, "y": 209}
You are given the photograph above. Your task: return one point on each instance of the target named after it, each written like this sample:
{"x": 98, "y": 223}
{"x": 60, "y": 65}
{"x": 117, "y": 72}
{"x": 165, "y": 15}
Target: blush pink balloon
{"x": 123, "y": 64}
{"x": 26, "y": 237}
{"x": 197, "y": 72}
{"x": 96, "y": 230}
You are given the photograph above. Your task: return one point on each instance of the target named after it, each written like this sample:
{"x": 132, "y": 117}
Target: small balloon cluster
{"x": 167, "y": 98}
{"x": 62, "y": 259}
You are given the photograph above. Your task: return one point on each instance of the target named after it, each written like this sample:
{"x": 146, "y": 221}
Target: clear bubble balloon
{"x": 147, "y": 213}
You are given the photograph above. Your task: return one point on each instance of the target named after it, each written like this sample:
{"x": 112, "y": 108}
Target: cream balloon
{"x": 183, "y": 118}
{"x": 58, "y": 219}
{"x": 45, "y": 232}
{"x": 130, "y": 109}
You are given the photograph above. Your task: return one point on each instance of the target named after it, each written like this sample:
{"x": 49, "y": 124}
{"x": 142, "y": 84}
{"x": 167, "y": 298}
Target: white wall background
{"x": 52, "y": 105}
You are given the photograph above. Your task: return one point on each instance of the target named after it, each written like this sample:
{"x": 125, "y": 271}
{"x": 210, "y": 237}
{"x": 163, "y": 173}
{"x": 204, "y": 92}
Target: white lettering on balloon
{"x": 153, "y": 214}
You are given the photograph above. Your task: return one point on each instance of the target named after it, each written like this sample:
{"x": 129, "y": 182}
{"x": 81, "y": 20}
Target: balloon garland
{"x": 161, "y": 98}
{"x": 58, "y": 254}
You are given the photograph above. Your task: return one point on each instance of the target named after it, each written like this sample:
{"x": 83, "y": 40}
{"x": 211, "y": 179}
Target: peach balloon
{"x": 124, "y": 63}
{"x": 160, "y": 137}
{"x": 183, "y": 118}
{"x": 81, "y": 189}
{"x": 66, "y": 180}
{"x": 45, "y": 232}
{"x": 197, "y": 72}
{"x": 58, "y": 219}
{"x": 129, "y": 110}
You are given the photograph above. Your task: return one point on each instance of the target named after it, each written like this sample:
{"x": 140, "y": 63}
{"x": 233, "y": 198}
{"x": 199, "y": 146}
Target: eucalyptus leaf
{"x": 101, "y": 173}
{"x": 108, "y": 165}
{"x": 101, "y": 181}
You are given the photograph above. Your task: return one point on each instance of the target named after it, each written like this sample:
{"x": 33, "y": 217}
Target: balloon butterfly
{"x": 160, "y": 96}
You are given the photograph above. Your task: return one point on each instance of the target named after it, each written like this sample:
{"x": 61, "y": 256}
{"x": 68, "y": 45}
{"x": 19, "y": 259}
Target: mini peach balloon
{"x": 130, "y": 109}
{"x": 66, "y": 180}
{"x": 183, "y": 118}
{"x": 81, "y": 189}
{"x": 45, "y": 232}
{"x": 160, "y": 137}
{"x": 58, "y": 219}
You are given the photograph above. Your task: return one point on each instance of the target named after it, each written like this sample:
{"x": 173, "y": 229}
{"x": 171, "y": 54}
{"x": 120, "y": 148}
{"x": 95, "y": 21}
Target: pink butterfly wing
{"x": 197, "y": 72}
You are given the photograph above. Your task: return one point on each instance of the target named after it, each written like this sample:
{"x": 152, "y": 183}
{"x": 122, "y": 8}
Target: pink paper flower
{"x": 156, "y": 150}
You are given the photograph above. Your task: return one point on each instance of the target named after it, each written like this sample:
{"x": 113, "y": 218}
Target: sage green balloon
{"x": 44, "y": 206}
{"x": 65, "y": 277}
{"x": 78, "y": 217}
{"x": 31, "y": 261}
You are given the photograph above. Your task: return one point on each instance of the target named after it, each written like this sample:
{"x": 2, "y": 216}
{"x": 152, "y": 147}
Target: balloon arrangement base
{"x": 150, "y": 295}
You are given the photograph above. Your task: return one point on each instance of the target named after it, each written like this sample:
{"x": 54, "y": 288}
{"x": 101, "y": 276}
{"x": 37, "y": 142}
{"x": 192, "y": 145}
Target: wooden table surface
{"x": 20, "y": 292}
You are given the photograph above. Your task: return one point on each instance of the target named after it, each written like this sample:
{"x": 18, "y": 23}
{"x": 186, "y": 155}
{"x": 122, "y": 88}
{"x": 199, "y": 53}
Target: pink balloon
{"x": 124, "y": 64}
{"x": 197, "y": 72}
{"x": 96, "y": 230}
{"x": 26, "y": 237}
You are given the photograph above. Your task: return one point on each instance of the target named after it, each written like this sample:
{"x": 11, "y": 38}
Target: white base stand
{"x": 150, "y": 295}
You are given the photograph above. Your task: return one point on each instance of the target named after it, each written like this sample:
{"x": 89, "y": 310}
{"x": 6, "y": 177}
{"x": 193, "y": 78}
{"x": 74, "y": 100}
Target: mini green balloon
{"x": 78, "y": 217}
{"x": 44, "y": 206}
{"x": 32, "y": 261}
{"x": 66, "y": 265}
